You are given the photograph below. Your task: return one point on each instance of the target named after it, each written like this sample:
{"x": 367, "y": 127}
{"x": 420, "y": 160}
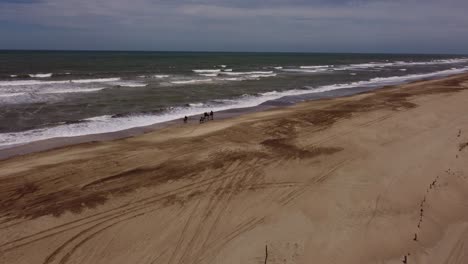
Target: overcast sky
{"x": 401, "y": 26}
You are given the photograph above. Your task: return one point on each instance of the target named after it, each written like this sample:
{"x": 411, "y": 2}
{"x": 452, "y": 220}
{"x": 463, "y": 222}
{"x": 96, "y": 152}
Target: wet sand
{"x": 369, "y": 178}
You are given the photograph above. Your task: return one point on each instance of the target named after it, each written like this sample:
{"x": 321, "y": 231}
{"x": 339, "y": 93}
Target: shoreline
{"x": 320, "y": 181}
{"x": 61, "y": 142}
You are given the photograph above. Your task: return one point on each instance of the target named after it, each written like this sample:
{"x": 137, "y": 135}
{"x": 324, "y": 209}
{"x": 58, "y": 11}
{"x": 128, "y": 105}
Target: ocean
{"x": 50, "y": 94}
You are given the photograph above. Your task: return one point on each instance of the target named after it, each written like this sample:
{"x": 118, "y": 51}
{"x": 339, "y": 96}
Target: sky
{"x": 390, "y": 26}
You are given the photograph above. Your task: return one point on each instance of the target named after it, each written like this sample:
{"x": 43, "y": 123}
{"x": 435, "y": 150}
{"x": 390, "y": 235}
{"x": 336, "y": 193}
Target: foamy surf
{"x": 206, "y": 71}
{"x": 371, "y": 66}
{"x": 71, "y": 90}
{"x": 193, "y": 81}
{"x": 248, "y": 73}
{"x": 161, "y": 76}
{"x": 40, "y": 75}
{"x": 105, "y": 124}
{"x": 208, "y": 74}
{"x": 306, "y": 70}
{"x": 99, "y": 80}
{"x": 37, "y": 82}
{"x": 128, "y": 84}
{"x": 11, "y": 94}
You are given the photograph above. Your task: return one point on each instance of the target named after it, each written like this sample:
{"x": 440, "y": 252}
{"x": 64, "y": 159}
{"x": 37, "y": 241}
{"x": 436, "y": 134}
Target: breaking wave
{"x": 105, "y": 124}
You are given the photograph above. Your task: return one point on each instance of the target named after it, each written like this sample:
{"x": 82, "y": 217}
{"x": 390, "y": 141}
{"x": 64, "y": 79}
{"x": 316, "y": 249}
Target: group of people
{"x": 204, "y": 118}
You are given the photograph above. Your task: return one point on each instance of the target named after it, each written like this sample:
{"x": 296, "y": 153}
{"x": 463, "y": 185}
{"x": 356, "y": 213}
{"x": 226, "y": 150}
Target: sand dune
{"x": 371, "y": 178}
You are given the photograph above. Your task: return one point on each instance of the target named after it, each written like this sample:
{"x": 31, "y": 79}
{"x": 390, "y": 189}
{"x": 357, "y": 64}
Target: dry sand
{"x": 346, "y": 180}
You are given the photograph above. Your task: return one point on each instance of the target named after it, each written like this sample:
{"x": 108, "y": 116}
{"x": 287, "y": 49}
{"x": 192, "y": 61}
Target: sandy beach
{"x": 378, "y": 177}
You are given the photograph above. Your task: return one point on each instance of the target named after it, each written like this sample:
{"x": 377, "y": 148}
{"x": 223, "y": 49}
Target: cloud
{"x": 317, "y": 25}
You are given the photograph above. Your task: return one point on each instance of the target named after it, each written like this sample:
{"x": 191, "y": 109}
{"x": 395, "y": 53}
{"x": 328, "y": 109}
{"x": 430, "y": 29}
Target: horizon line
{"x": 211, "y": 51}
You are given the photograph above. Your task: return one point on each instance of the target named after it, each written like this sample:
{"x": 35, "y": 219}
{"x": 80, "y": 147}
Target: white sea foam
{"x": 70, "y": 90}
{"x": 227, "y": 70}
{"x": 196, "y": 104}
{"x": 247, "y": 73}
{"x": 373, "y": 66}
{"x": 206, "y": 71}
{"x": 262, "y": 75}
{"x": 223, "y": 66}
{"x": 315, "y": 67}
{"x": 208, "y": 74}
{"x": 100, "y": 80}
{"x": 11, "y": 94}
{"x": 129, "y": 84}
{"x": 28, "y": 82}
{"x": 278, "y": 67}
{"x": 99, "y": 118}
{"x": 40, "y": 75}
{"x": 400, "y": 63}
{"x": 106, "y": 124}
{"x": 232, "y": 79}
{"x": 13, "y": 75}
{"x": 192, "y": 81}
{"x": 161, "y": 76}
{"x": 402, "y": 69}
{"x": 36, "y": 82}
{"x": 305, "y": 70}
{"x": 393, "y": 80}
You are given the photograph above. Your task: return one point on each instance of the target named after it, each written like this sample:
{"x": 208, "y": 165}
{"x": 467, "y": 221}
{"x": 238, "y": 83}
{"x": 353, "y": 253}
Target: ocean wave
{"x": 305, "y": 70}
{"x": 157, "y": 76}
{"x": 40, "y": 75}
{"x": 129, "y": 84}
{"x": 11, "y": 94}
{"x": 161, "y": 76}
{"x": 206, "y": 71}
{"x": 373, "y": 66}
{"x": 232, "y": 79}
{"x": 400, "y": 63}
{"x": 248, "y": 73}
{"x": 393, "y": 80}
{"x": 105, "y": 124}
{"x": 13, "y": 76}
{"x": 262, "y": 75}
{"x": 71, "y": 90}
{"x": 227, "y": 70}
{"x": 99, "y": 80}
{"x": 309, "y": 69}
{"x": 195, "y": 104}
{"x": 192, "y": 81}
{"x": 208, "y": 74}
{"x": 278, "y": 67}
{"x": 316, "y": 67}
{"x": 36, "y": 82}
{"x": 28, "y": 82}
